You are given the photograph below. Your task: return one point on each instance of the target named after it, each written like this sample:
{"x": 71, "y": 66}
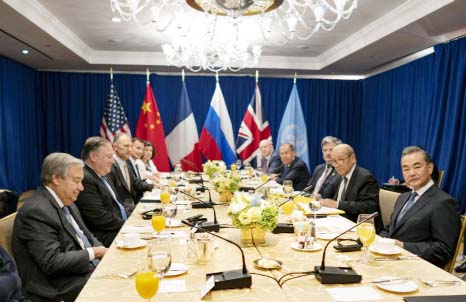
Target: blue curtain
{"x": 21, "y": 127}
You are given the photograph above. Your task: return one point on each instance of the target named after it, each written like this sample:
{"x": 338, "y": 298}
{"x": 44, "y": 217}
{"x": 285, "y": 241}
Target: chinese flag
{"x": 150, "y": 128}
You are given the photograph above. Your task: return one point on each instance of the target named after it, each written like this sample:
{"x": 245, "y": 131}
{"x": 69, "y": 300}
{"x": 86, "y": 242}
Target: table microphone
{"x": 338, "y": 275}
{"x": 268, "y": 180}
{"x": 240, "y": 278}
{"x": 211, "y": 226}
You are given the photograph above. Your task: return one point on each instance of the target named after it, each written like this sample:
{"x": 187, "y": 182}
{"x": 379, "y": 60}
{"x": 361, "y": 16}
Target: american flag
{"x": 114, "y": 120}
{"x": 253, "y": 129}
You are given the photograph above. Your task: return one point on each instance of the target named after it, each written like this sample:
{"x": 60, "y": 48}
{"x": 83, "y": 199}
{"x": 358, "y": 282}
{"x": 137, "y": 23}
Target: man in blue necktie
{"x": 54, "y": 250}
{"x": 99, "y": 203}
{"x": 425, "y": 221}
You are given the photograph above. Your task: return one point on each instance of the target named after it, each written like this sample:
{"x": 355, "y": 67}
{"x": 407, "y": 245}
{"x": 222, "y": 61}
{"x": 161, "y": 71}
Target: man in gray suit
{"x": 54, "y": 250}
{"x": 425, "y": 221}
{"x": 325, "y": 179}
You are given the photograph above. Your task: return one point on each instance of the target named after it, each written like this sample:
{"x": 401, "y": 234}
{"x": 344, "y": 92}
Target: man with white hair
{"x": 270, "y": 161}
{"x": 54, "y": 250}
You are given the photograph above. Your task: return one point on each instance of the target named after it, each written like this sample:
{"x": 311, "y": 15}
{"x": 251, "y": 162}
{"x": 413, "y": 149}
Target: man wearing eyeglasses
{"x": 358, "y": 191}
{"x": 425, "y": 220}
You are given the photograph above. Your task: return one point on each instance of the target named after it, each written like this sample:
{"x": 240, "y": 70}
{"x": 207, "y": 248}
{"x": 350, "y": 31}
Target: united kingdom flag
{"x": 254, "y": 128}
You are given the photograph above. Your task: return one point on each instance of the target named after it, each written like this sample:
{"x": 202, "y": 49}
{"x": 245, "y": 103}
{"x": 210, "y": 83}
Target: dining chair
{"x": 387, "y": 200}
{"x": 451, "y": 265}
{"x": 6, "y": 232}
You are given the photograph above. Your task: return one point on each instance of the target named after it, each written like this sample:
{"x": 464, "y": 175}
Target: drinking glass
{"x": 315, "y": 205}
{"x": 238, "y": 164}
{"x": 288, "y": 208}
{"x": 366, "y": 233}
{"x": 170, "y": 211}
{"x": 264, "y": 177}
{"x": 147, "y": 284}
{"x": 158, "y": 222}
{"x": 165, "y": 195}
{"x": 159, "y": 257}
{"x": 233, "y": 167}
{"x": 288, "y": 187}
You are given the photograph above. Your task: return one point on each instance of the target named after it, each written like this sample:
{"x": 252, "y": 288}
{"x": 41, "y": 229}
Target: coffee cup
{"x": 386, "y": 244}
{"x": 131, "y": 239}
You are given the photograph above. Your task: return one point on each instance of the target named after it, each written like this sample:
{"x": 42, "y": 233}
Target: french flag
{"x": 182, "y": 140}
{"x": 217, "y": 142}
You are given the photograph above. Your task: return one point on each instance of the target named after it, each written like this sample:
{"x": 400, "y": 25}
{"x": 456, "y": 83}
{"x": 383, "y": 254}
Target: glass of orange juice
{"x": 288, "y": 208}
{"x": 147, "y": 284}
{"x": 366, "y": 233}
{"x": 233, "y": 167}
{"x": 158, "y": 222}
{"x": 165, "y": 195}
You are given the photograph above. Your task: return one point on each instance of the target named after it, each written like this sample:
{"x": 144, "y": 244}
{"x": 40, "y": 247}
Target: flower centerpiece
{"x": 254, "y": 216}
{"x": 212, "y": 167}
{"x": 226, "y": 183}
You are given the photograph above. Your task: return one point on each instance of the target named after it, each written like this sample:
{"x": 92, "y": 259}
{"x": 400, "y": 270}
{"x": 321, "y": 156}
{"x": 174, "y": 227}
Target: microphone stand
{"x": 228, "y": 279}
{"x": 338, "y": 275}
{"x": 211, "y": 226}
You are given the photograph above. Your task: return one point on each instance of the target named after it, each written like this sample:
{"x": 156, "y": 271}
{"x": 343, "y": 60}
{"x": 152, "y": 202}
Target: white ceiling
{"x": 79, "y": 35}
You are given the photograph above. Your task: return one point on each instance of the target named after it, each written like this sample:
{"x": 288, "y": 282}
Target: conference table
{"x": 187, "y": 287}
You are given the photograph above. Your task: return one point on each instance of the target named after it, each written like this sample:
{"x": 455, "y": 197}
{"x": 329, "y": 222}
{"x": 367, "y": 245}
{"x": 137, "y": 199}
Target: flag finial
{"x": 257, "y": 76}
{"x": 216, "y": 76}
{"x": 147, "y": 75}
{"x": 295, "y": 77}
{"x": 182, "y": 75}
{"x": 111, "y": 73}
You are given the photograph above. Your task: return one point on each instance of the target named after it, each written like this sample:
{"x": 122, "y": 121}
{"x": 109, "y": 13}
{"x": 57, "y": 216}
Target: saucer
{"x": 401, "y": 286}
{"x": 177, "y": 269}
{"x": 378, "y": 250}
{"x": 315, "y": 247}
{"x": 122, "y": 245}
{"x": 173, "y": 223}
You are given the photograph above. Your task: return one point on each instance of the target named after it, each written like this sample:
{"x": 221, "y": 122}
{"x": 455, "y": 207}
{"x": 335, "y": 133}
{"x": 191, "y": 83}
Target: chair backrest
{"x": 387, "y": 200}
{"x": 452, "y": 263}
{"x": 6, "y": 232}
{"x": 440, "y": 178}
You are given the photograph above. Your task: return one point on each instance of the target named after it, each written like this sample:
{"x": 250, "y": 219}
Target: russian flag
{"x": 216, "y": 141}
{"x": 182, "y": 140}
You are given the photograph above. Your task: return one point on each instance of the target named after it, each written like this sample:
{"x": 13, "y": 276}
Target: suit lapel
{"x": 350, "y": 185}
{"x": 417, "y": 206}
{"x": 64, "y": 222}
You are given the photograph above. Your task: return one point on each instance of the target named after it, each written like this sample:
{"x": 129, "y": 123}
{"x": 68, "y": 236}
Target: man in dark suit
{"x": 99, "y": 203}
{"x": 358, "y": 190}
{"x": 54, "y": 250}
{"x": 129, "y": 187}
{"x": 292, "y": 168}
{"x": 325, "y": 179}
{"x": 425, "y": 221}
{"x": 270, "y": 161}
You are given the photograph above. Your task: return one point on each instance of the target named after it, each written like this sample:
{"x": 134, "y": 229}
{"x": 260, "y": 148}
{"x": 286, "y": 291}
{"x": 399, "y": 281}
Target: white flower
{"x": 237, "y": 205}
{"x": 244, "y": 218}
{"x": 255, "y": 213}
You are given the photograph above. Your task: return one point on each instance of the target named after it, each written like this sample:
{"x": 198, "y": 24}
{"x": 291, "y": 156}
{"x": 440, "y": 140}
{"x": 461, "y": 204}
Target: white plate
{"x": 375, "y": 249}
{"x": 177, "y": 269}
{"x": 315, "y": 247}
{"x": 326, "y": 236}
{"x": 173, "y": 223}
{"x": 402, "y": 286}
{"x": 122, "y": 245}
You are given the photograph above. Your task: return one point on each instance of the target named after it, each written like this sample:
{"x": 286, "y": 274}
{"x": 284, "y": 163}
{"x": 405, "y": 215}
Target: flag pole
{"x": 147, "y": 76}
{"x": 257, "y": 76}
{"x": 111, "y": 74}
{"x": 216, "y": 77}
{"x": 182, "y": 75}
{"x": 295, "y": 77}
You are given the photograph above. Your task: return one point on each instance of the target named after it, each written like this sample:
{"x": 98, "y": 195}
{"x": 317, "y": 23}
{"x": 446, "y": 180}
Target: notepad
{"x": 359, "y": 293}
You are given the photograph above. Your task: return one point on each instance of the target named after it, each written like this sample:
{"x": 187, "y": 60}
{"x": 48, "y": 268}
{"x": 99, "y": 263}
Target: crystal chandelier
{"x": 199, "y": 42}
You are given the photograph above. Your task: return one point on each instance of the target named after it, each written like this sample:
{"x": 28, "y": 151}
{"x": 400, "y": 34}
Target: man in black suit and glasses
{"x": 54, "y": 250}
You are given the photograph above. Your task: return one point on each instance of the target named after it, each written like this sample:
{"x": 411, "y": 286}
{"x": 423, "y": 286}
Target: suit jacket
{"x": 331, "y": 184}
{"x": 51, "y": 263}
{"x": 361, "y": 196}
{"x": 129, "y": 196}
{"x": 274, "y": 163}
{"x": 430, "y": 228}
{"x": 297, "y": 172}
{"x": 98, "y": 209}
